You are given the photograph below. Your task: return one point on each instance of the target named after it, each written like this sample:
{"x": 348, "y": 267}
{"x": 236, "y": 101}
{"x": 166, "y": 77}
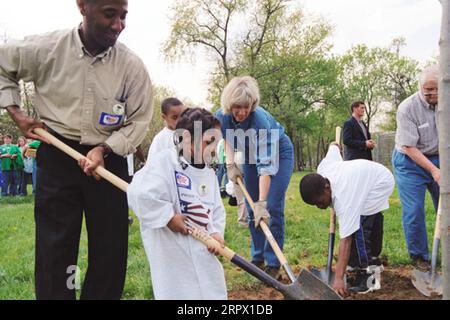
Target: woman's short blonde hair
{"x": 240, "y": 91}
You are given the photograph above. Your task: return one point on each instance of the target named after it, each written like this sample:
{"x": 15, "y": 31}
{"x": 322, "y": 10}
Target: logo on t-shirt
{"x": 183, "y": 181}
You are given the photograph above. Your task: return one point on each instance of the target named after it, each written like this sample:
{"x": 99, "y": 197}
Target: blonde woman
{"x": 268, "y": 163}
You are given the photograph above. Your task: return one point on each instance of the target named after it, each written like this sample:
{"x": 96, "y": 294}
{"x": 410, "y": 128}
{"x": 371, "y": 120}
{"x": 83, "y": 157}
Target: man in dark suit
{"x": 357, "y": 139}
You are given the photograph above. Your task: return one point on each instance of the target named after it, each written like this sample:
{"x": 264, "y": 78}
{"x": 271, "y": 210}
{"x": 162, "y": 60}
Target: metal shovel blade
{"x": 430, "y": 283}
{"x": 427, "y": 284}
{"x": 323, "y": 275}
{"x": 310, "y": 287}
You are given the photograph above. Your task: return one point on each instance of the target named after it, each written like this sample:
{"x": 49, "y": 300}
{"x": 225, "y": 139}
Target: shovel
{"x": 327, "y": 275}
{"x": 306, "y": 287}
{"x": 430, "y": 283}
{"x": 269, "y": 235}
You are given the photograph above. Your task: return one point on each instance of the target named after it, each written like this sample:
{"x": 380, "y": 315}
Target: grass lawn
{"x": 305, "y": 245}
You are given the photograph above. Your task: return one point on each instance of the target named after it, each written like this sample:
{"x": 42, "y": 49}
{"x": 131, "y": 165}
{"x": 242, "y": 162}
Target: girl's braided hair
{"x": 189, "y": 116}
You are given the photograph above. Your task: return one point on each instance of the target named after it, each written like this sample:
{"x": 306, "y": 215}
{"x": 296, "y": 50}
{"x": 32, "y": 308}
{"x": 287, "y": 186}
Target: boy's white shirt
{"x": 181, "y": 266}
{"x": 162, "y": 141}
{"x": 358, "y": 187}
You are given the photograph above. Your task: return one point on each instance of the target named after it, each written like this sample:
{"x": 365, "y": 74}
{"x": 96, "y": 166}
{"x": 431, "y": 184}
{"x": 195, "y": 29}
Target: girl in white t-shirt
{"x": 178, "y": 185}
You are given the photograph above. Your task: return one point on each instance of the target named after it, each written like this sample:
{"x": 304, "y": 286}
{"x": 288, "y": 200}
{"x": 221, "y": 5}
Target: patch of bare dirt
{"x": 395, "y": 285}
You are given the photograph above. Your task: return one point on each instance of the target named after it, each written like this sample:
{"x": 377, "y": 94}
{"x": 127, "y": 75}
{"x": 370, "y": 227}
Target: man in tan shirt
{"x": 94, "y": 94}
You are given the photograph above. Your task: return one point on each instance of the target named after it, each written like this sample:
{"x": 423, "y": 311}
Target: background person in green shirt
{"x": 222, "y": 169}
{"x": 11, "y": 159}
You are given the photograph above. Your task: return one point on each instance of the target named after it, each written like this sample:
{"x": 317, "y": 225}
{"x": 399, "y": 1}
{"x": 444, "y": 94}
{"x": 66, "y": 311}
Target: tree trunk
{"x": 300, "y": 155}
{"x": 444, "y": 140}
{"x": 324, "y": 149}
{"x": 318, "y": 152}
{"x": 308, "y": 150}
{"x": 296, "y": 156}
{"x": 26, "y": 101}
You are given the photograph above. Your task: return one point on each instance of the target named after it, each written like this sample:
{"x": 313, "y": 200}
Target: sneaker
{"x": 223, "y": 193}
{"x": 358, "y": 284}
{"x": 421, "y": 264}
{"x": 274, "y": 272}
{"x": 232, "y": 201}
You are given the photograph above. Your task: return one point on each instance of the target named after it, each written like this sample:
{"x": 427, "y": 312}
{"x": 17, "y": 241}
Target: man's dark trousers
{"x": 63, "y": 193}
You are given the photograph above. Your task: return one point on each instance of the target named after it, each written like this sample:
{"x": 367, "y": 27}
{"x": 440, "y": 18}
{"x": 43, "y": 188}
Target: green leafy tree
{"x": 378, "y": 75}
{"x": 203, "y": 24}
{"x": 400, "y": 75}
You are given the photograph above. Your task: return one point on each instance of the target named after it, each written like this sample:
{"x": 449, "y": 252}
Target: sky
{"x": 373, "y": 22}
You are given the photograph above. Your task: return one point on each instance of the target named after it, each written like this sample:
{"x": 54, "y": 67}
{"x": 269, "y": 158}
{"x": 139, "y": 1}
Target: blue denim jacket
{"x": 265, "y": 136}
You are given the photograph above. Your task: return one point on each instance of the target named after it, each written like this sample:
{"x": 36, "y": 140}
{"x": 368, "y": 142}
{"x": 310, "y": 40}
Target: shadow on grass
{"x": 16, "y": 200}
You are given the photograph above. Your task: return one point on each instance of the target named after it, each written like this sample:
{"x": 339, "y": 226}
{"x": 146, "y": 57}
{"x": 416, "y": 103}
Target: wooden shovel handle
{"x": 102, "y": 172}
{"x": 437, "y": 228}
{"x": 264, "y": 226}
{"x": 337, "y": 139}
{"x": 337, "y": 136}
{"x": 332, "y": 222}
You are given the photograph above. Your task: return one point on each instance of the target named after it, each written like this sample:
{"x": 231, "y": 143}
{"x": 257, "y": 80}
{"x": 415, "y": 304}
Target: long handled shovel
{"x": 306, "y": 287}
{"x": 269, "y": 235}
{"x": 430, "y": 283}
{"x": 327, "y": 275}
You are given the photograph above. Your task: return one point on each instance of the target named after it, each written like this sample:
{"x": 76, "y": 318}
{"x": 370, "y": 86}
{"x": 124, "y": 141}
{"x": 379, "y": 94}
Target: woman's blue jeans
{"x": 261, "y": 249}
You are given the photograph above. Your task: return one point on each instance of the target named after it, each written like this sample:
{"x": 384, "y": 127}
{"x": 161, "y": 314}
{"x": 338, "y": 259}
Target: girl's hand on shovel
{"x": 178, "y": 224}
{"x": 219, "y": 239}
{"x": 93, "y": 159}
{"x": 340, "y": 287}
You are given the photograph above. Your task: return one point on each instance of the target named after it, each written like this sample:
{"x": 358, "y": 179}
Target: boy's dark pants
{"x": 63, "y": 193}
{"x": 367, "y": 242}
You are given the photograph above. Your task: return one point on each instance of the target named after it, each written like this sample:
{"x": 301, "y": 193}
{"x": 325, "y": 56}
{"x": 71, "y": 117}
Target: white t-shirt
{"x": 181, "y": 266}
{"x": 163, "y": 140}
{"x": 358, "y": 187}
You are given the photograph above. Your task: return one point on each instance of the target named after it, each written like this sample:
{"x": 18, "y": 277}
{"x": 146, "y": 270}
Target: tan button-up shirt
{"x": 107, "y": 98}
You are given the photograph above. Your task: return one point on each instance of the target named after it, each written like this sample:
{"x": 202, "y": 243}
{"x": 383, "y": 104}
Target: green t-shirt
{"x": 221, "y": 151}
{"x": 8, "y": 163}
